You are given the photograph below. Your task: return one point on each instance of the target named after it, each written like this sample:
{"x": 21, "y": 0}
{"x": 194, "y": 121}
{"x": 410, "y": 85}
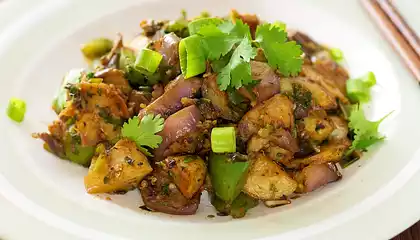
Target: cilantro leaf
{"x": 238, "y": 71}
{"x": 282, "y": 55}
{"x": 215, "y": 42}
{"x": 366, "y": 132}
{"x": 143, "y": 132}
{"x": 219, "y": 40}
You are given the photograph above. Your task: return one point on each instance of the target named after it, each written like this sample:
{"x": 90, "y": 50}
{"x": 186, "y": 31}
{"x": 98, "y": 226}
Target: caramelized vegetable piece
{"x": 219, "y": 99}
{"x": 120, "y": 169}
{"x": 160, "y": 194}
{"x": 276, "y": 111}
{"x": 320, "y": 96}
{"x": 316, "y": 127}
{"x": 279, "y": 145}
{"x": 269, "y": 84}
{"x": 170, "y": 101}
{"x": 115, "y": 77}
{"x": 267, "y": 181}
{"x": 188, "y": 173}
{"x": 99, "y": 96}
{"x": 176, "y": 128}
{"x": 324, "y": 81}
{"x": 333, "y": 151}
{"x": 316, "y": 175}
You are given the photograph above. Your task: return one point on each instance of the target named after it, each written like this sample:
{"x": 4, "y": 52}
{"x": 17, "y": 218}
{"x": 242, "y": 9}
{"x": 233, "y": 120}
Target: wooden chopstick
{"x": 398, "y": 33}
{"x": 401, "y": 24}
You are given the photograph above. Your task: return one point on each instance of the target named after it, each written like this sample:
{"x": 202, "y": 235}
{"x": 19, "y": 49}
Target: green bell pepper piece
{"x": 227, "y": 176}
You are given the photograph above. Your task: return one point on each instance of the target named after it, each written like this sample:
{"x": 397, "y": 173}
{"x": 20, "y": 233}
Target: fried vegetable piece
{"x": 315, "y": 176}
{"x": 119, "y": 169}
{"x": 188, "y": 173}
{"x": 279, "y": 145}
{"x": 333, "y": 151}
{"x": 115, "y": 77}
{"x": 324, "y": 81}
{"x": 269, "y": 81}
{"x": 267, "y": 181}
{"x": 219, "y": 99}
{"x": 276, "y": 111}
{"x": 170, "y": 101}
{"x": 316, "y": 127}
{"x": 320, "y": 96}
{"x": 160, "y": 193}
{"x": 99, "y": 96}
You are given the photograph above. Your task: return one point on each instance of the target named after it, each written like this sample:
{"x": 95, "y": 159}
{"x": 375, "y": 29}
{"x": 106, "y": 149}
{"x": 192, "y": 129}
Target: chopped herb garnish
{"x": 165, "y": 189}
{"x": 189, "y": 158}
{"x": 365, "y": 132}
{"x": 143, "y": 132}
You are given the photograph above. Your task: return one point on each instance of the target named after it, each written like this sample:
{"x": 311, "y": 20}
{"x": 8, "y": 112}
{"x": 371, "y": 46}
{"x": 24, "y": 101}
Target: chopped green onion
{"x": 223, "y": 139}
{"x": 369, "y": 79}
{"x": 16, "y": 109}
{"x": 195, "y": 25}
{"x": 148, "y": 59}
{"x": 191, "y": 56}
{"x": 358, "y": 89}
{"x": 336, "y": 54}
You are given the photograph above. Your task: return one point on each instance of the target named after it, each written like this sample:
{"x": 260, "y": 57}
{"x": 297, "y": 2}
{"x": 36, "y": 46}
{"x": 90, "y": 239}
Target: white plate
{"x": 46, "y": 195}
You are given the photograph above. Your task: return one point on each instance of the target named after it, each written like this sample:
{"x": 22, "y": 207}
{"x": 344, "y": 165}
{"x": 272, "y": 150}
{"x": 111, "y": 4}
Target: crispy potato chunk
{"x": 319, "y": 94}
{"x": 267, "y": 181}
{"x": 188, "y": 173}
{"x": 333, "y": 151}
{"x": 276, "y": 111}
{"x": 120, "y": 169}
{"x": 99, "y": 96}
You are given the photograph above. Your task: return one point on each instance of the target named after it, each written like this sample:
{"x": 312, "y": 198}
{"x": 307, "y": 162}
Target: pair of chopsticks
{"x": 397, "y": 31}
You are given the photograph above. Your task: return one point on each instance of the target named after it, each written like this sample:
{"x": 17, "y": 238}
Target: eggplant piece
{"x": 276, "y": 112}
{"x": 119, "y": 169}
{"x": 160, "y": 194}
{"x": 219, "y": 99}
{"x": 115, "y": 77}
{"x": 269, "y": 81}
{"x": 267, "y": 181}
{"x": 176, "y": 127}
{"x": 278, "y": 145}
{"x": 170, "y": 101}
{"x": 315, "y": 176}
{"x": 188, "y": 173}
{"x": 137, "y": 99}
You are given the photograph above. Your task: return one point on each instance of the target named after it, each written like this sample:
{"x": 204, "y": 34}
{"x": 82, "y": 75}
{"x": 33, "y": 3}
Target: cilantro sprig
{"x": 365, "y": 132}
{"x": 230, "y": 48}
{"x": 281, "y": 54}
{"x": 143, "y": 132}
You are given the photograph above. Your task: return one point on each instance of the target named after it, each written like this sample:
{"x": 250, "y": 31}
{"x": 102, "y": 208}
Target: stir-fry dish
{"x": 245, "y": 110}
